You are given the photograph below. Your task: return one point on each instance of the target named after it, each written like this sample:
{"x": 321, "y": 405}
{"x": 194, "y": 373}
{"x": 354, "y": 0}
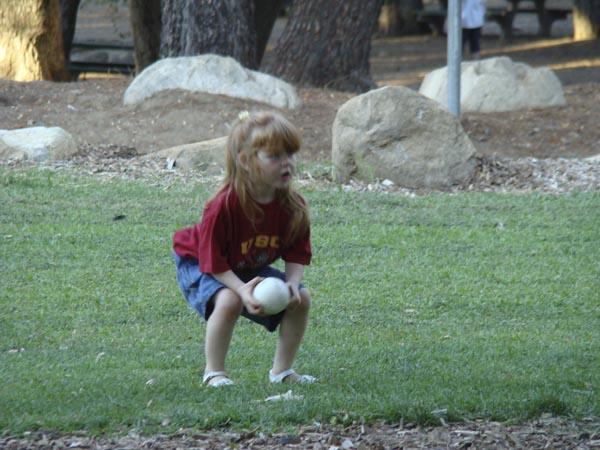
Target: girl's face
{"x": 277, "y": 170}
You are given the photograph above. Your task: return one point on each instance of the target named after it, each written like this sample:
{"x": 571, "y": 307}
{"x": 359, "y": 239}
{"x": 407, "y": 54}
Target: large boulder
{"x": 397, "y": 134}
{"x": 37, "y": 144}
{"x": 497, "y": 84}
{"x": 206, "y": 156}
{"x": 212, "y": 74}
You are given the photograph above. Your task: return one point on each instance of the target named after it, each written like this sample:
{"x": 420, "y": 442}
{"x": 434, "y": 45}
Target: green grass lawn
{"x": 465, "y": 306}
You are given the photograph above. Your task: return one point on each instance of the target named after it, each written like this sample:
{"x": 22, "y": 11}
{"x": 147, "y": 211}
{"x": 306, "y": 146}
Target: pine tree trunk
{"x": 171, "y": 24}
{"x": 265, "y": 14}
{"x": 586, "y": 19}
{"x": 327, "y": 44}
{"x": 145, "y": 21}
{"x": 31, "y": 41}
{"x": 195, "y": 27}
{"x": 68, "y": 10}
{"x": 399, "y": 17}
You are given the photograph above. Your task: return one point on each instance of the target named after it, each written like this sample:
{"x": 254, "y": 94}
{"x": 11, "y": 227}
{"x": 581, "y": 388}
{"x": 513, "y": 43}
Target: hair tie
{"x": 243, "y": 115}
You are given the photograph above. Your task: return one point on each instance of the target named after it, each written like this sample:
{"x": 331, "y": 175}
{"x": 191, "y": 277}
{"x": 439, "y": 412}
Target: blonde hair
{"x": 272, "y": 133}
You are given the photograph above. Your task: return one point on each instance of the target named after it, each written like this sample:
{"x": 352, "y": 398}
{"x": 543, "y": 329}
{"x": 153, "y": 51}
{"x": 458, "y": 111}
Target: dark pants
{"x": 473, "y": 37}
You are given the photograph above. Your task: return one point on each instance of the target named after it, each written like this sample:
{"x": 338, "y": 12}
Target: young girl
{"x": 254, "y": 219}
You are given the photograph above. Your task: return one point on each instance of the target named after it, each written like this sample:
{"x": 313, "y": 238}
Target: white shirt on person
{"x": 473, "y": 13}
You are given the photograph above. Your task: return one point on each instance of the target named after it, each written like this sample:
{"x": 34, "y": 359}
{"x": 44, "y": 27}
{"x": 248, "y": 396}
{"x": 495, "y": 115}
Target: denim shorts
{"x": 198, "y": 289}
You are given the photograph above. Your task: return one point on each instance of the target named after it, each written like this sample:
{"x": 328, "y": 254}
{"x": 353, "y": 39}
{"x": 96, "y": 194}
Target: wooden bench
{"x": 505, "y": 18}
{"x": 89, "y": 64}
{"x": 434, "y": 18}
{"x": 551, "y": 15}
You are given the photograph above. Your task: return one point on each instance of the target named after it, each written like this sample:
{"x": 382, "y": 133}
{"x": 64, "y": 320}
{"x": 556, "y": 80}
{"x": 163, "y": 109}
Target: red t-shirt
{"x": 227, "y": 240}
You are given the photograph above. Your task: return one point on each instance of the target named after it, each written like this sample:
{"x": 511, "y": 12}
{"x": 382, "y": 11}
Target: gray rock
{"x": 213, "y": 74}
{"x": 497, "y": 84}
{"x": 593, "y": 159}
{"x": 36, "y": 143}
{"x": 207, "y": 156}
{"x": 397, "y": 134}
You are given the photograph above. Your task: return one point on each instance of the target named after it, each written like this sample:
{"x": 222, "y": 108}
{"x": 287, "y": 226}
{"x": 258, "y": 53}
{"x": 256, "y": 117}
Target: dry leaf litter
{"x": 501, "y": 174}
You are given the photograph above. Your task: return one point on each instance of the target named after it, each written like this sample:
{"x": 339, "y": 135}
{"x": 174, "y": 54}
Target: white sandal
{"x": 222, "y": 382}
{"x": 303, "y": 379}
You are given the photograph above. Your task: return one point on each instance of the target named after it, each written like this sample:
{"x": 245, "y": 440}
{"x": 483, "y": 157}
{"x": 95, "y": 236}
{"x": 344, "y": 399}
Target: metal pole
{"x": 454, "y": 54}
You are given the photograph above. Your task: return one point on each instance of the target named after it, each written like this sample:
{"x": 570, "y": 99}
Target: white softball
{"x": 273, "y": 294}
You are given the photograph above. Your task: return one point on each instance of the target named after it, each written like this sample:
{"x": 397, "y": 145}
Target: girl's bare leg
{"x": 219, "y": 329}
{"x": 291, "y": 331}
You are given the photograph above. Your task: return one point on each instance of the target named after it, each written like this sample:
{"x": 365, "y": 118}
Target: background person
{"x": 473, "y": 18}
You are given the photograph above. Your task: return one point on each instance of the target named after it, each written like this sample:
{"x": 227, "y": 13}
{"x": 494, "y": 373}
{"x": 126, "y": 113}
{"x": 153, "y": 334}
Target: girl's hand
{"x": 248, "y": 300}
{"x": 294, "y": 295}
{"x": 293, "y": 275}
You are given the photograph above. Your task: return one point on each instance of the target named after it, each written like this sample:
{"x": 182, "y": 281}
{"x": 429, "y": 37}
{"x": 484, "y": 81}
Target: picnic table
{"x": 503, "y": 13}
{"x": 98, "y": 58}
{"x": 547, "y": 15}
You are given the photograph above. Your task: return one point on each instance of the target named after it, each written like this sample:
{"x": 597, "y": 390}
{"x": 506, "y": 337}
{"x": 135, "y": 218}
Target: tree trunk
{"x": 171, "y": 23}
{"x": 399, "y": 17}
{"x": 68, "y": 10}
{"x": 31, "y": 41}
{"x": 145, "y": 21}
{"x": 586, "y": 19}
{"x": 265, "y": 14}
{"x": 327, "y": 44}
{"x": 224, "y": 27}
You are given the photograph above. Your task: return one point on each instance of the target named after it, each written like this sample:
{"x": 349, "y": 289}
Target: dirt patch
{"x": 93, "y": 112}
{"x": 92, "y": 109}
{"x": 521, "y": 150}
{"x": 570, "y": 131}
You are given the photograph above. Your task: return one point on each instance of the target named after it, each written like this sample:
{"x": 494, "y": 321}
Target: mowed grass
{"x": 452, "y": 306}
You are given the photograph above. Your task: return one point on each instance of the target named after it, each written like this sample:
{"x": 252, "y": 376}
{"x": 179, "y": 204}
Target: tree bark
{"x": 171, "y": 24}
{"x": 586, "y": 19}
{"x": 399, "y": 17}
{"x": 327, "y": 44}
{"x": 265, "y": 14}
{"x": 145, "y": 21}
{"x": 31, "y": 40}
{"x": 224, "y": 27}
{"x": 68, "y": 10}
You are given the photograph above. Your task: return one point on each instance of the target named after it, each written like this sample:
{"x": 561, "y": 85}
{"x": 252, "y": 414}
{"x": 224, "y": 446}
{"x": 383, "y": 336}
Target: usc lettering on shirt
{"x": 258, "y": 251}
{"x": 261, "y": 241}
{"x": 226, "y": 239}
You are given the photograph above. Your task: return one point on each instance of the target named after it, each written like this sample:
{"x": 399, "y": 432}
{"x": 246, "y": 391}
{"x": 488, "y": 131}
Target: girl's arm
{"x": 244, "y": 290}
{"x": 293, "y": 276}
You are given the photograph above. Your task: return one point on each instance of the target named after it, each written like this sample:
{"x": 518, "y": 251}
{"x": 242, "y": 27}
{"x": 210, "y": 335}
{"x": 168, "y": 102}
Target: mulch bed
{"x": 544, "y": 433}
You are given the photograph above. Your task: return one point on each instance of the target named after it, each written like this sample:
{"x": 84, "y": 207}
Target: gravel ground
{"x": 493, "y": 174}
{"x": 544, "y": 433}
